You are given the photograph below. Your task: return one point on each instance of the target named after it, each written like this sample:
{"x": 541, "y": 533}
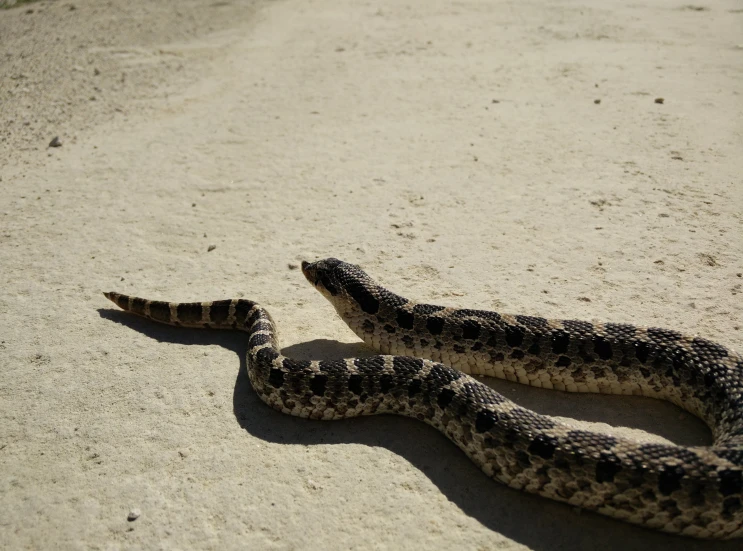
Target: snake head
{"x": 324, "y": 275}
{"x": 348, "y": 288}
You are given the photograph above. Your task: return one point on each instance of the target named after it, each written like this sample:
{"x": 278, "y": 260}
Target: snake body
{"x": 430, "y": 353}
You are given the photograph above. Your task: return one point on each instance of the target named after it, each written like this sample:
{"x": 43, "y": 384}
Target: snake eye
{"x": 328, "y": 285}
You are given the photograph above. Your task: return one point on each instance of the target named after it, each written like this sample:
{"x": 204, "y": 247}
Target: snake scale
{"x": 429, "y": 352}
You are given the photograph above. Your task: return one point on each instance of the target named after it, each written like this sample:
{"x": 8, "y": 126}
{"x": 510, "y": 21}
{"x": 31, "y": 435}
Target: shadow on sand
{"x": 533, "y": 521}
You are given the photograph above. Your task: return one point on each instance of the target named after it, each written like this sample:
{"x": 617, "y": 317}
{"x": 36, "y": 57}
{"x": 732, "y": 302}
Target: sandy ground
{"x": 504, "y": 154}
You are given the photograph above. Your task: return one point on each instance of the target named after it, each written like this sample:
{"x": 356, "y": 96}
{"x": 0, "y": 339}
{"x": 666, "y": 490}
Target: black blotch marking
{"x": 266, "y": 355}
{"x": 243, "y": 312}
{"x": 219, "y": 311}
{"x": 585, "y": 439}
{"x": 731, "y": 482}
{"x": 512, "y": 434}
{"x": 325, "y": 280}
{"x": 543, "y": 446}
{"x": 607, "y": 467}
{"x": 563, "y": 361}
{"x": 708, "y": 349}
{"x": 477, "y": 346}
{"x": 160, "y": 311}
{"x": 669, "y": 479}
{"x": 470, "y": 329}
{"x": 730, "y": 506}
{"x": 577, "y": 326}
{"x": 532, "y": 321}
{"x": 121, "y": 300}
{"x": 386, "y": 382}
{"x": 560, "y": 342}
{"x": 361, "y": 294}
{"x": 716, "y": 375}
{"x": 733, "y": 455}
{"x": 532, "y": 419}
{"x": 408, "y": 341}
{"x": 665, "y": 336}
{"x": 335, "y": 368}
{"x": 276, "y": 377}
{"x": 679, "y": 359}
{"x": 514, "y": 335}
{"x": 318, "y": 384}
{"x": 258, "y": 339}
{"x": 368, "y": 326}
{"x": 620, "y": 331}
{"x": 479, "y": 393}
{"x": 371, "y": 370}
{"x": 189, "y": 312}
{"x": 354, "y": 384}
{"x": 414, "y": 387}
{"x": 389, "y": 328}
{"x": 458, "y": 348}
{"x": 517, "y": 354}
{"x": 602, "y": 347}
{"x": 534, "y": 349}
{"x": 523, "y": 458}
{"x": 426, "y": 309}
{"x": 642, "y": 351}
{"x": 485, "y": 420}
{"x": 435, "y": 325}
{"x": 445, "y": 397}
{"x": 443, "y": 375}
{"x": 138, "y": 305}
{"x": 482, "y": 314}
{"x": 585, "y": 355}
{"x": 405, "y": 366}
{"x": 669, "y": 506}
{"x": 405, "y": 319}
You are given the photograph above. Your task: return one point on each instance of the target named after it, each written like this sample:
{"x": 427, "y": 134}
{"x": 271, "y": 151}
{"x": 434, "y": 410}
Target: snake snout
{"x": 309, "y": 269}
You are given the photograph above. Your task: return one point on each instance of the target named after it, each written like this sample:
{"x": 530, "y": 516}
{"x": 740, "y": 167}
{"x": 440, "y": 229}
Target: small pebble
{"x": 133, "y": 515}
{"x": 597, "y": 101}
{"x": 55, "y": 142}
{"x": 211, "y": 248}
{"x": 292, "y": 266}
{"x": 659, "y": 100}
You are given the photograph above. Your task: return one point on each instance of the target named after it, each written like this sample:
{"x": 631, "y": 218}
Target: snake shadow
{"x": 533, "y": 521}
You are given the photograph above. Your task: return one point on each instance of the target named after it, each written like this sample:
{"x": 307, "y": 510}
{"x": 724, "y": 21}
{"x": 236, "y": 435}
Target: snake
{"x": 430, "y": 356}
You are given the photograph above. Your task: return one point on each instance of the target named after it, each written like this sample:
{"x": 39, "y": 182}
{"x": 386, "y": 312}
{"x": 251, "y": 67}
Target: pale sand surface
{"x": 454, "y": 150}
